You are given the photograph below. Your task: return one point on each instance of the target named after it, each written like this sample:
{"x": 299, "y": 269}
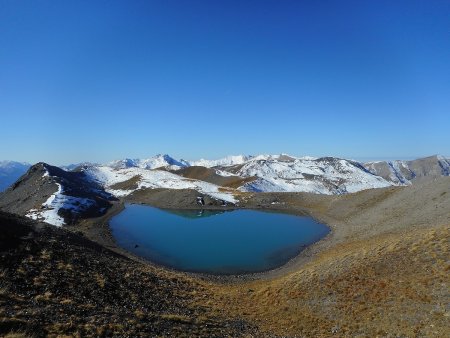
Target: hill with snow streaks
{"x": 50, "y": 194}
{"x": 122, "y": 182}
{"x": 10, "y": 171}
{"x": 406, "y": 172}
{"x": 326, "y": 175}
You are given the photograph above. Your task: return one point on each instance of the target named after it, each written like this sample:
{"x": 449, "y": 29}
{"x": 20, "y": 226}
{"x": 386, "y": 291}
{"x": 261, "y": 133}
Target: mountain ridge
{"x": 406, "y": 172}
{"x": 61, "y": 197}
{"x": 51, "y": 194}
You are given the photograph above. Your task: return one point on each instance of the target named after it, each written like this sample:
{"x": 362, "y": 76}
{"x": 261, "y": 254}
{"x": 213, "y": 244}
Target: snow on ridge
{"x": 226, "y": 161}
{"x": 167, "y": 161}
{"x": 274, "y": 173}
{"x": 58, "y": 200}
{"x": 322, "y": 176}
{"x": 232, "y": 160}
{"x": 402, "y": 172}
{"x": 154, "y": 162}
{"x": 108, "y": 177}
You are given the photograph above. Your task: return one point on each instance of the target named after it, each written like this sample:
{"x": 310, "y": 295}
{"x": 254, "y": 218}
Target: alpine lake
{"x": 220, "y": 242}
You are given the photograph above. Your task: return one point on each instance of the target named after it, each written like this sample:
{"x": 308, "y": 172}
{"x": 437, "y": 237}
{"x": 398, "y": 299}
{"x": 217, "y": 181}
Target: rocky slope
{"x": 50, "y": 194}
{"x": 407, "y": 172}
{"x": 57, "y": 283}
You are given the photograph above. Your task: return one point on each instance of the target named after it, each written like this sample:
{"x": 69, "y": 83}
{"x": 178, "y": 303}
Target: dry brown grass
{"x": 236, "y": 183}
{"x": 43, "y": 297}
{"x": 176, "y": 318}
{"x": 46, "y": 254}
{"x": 392, "y": 284}
{"x": 17, "y": 334}
{"x": 129, "y": 184}
{"x": 100, "y": 280}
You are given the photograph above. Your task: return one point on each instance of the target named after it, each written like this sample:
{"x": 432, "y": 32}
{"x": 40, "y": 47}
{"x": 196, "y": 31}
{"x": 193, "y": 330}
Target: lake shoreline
{"x": 260, "y": 240}
{"x": 99, "y": 230}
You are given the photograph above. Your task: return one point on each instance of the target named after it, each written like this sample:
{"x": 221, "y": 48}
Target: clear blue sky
{"x": 100, "y": 80}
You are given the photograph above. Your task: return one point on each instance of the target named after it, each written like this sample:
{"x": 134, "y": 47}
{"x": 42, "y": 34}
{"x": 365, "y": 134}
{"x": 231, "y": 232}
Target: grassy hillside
{"x": 390, "y": 285}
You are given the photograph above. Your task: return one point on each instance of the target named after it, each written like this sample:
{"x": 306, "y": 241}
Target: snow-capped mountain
{"x": 326, "y": 175}
{"x": 223, "y": 162}
{"x": 406, "y": 172}
{"x": 233, "y": 160}
{"x": 158, "y": 161}
{"x": 10, "y": 171}
{"x": 261, "y": 173}
{"x": 73, "y": 166}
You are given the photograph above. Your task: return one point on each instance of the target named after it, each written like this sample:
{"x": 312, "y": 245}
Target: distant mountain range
{"x": 62, "y": 196}
{"x": 10, "y": 171}
{"x": 274, "y": 173}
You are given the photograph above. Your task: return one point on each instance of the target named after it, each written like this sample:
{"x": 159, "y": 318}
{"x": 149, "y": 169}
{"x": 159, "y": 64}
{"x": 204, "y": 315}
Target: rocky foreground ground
{"x": 54, "y": 282}
{"x": 383, "y": 271}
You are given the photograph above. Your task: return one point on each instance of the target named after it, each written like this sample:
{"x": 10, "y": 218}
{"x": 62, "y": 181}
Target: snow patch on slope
{"x": 444, "y": 163}
{"x": 49, "y": 211}
{"x": 108, "y": 177}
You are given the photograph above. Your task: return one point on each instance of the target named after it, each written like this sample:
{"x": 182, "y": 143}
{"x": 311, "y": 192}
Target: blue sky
{"x": 100, "y": 80}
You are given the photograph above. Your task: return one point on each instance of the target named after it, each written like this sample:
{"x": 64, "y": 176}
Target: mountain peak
{"x": 157, "y": 161}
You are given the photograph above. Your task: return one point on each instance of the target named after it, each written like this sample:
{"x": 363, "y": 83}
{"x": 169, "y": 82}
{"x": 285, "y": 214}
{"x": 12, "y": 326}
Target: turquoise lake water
{"x": 217, "y": 242}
